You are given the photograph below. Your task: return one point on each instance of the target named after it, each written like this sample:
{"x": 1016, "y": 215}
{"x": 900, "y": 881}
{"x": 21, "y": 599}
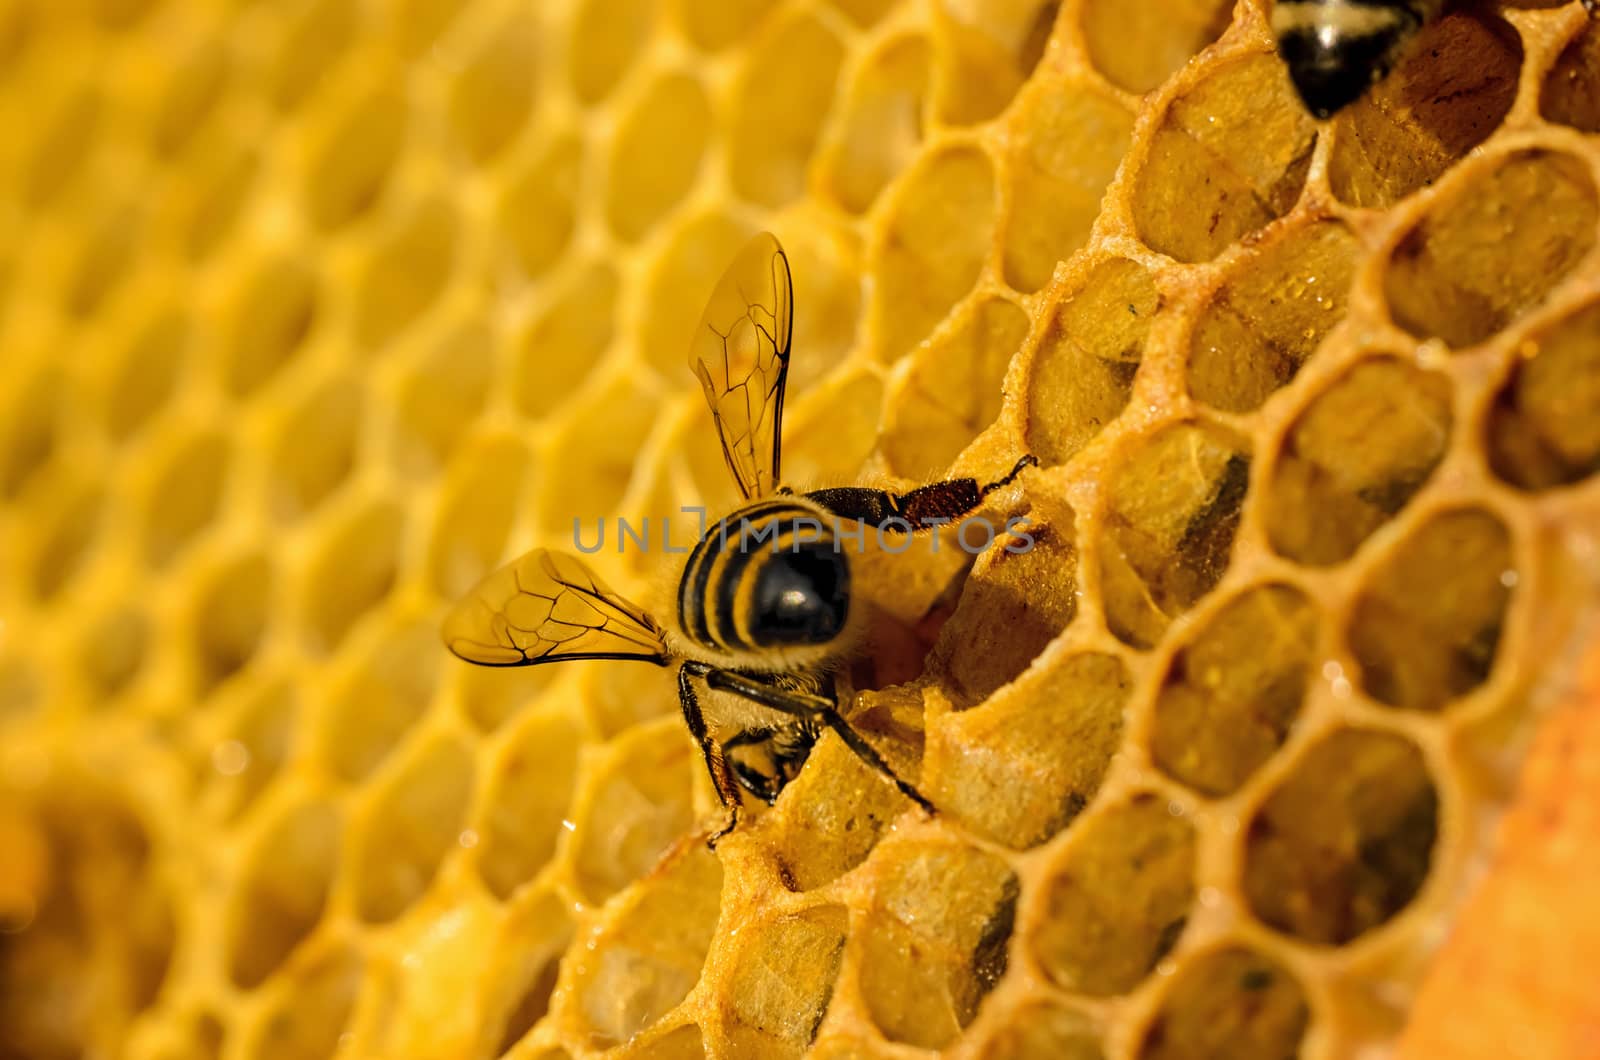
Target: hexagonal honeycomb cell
{"x": 1272, "y": 714}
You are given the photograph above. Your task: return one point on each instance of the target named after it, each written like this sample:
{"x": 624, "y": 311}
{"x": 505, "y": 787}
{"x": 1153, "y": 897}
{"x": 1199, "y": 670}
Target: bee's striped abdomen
{"x": 768, "y": 576}
{"x": 1336, "y": 49}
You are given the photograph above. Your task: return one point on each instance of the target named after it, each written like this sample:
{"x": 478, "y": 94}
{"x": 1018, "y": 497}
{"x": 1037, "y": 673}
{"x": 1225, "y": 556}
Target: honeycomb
{"x": 1278, "y": 742}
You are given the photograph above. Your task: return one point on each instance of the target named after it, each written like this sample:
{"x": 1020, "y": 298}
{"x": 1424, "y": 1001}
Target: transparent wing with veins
{"x": 547, "y": 607}
{"x": 740, "y": 354}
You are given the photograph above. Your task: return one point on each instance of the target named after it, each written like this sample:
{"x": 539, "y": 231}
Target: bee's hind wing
{"x": 547, "y": 607}
{"x": 740, "y": 354}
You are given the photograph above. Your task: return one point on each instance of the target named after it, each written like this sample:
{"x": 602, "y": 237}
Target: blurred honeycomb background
{"x": 314, "y": 311}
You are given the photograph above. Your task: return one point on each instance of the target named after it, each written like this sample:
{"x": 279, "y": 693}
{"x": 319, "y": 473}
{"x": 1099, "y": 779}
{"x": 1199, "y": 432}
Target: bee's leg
{"x": 869, "y": 754}
{"x": 813, "y": 708}
{"x": 717, "y": 765}
{"x": 761, "y": 786}
{"x": 923, "y": 508}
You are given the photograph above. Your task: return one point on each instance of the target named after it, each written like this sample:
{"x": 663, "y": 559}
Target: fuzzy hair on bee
{"x": 761, "y": 614}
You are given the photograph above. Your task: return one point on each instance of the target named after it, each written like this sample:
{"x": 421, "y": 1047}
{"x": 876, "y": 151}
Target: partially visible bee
{"x": 1337, "y": 49}
{"x": 763, "y": 612}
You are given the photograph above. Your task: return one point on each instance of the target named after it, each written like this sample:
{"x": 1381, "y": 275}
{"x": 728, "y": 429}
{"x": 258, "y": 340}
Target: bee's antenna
{"x": 1028, "y": 460}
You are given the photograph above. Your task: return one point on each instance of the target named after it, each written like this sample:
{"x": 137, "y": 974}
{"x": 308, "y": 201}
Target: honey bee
{"x": 1337, "y": 49}
{"x": 763, "y": 614}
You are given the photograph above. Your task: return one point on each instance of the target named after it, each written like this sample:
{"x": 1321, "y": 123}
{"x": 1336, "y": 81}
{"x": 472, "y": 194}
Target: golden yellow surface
{"x": 312, "y": 312}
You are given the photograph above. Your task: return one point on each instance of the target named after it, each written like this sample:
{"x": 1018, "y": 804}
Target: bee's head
{"x": 801, "y": 595}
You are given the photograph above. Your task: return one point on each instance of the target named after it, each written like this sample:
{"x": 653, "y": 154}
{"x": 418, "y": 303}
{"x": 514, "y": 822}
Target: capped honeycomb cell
{"x": 1544, "y": 428}
{"x": 1229, "y": 1002}
{"x": 781, "y": 980}
{"x": 1229, "y": 157}
{"x": 940, "y": 944}
{"x": 1346, "y": 841}
{"x": 1452, "y": 92}
{"x": 1427, "y": 625}
{"x": 1354, "y": 458}
{"x": 1571, "y": 91}
{"x": 1493, "y": 245}
{"x": 936, "y": 244}
{"x": 651, "y": 958}
{"x": 1167, "y": 36}
{"x": 1116, "y": 903}
{"x": 1082, "y": 371}
{"x": 1230, "y": 696}
{"x": 1173, "y": 509}
{"x": 1271, "y": 316}
{"x": 282, "y": 891}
